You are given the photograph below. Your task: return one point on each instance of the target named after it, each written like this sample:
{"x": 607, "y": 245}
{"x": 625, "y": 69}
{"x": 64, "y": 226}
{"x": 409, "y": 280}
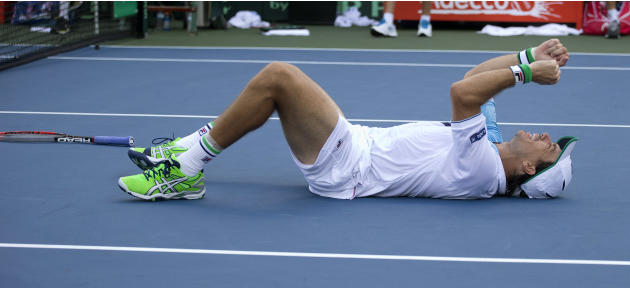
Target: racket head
{"x": 47, "y": 136}
{"x": 29, "y": 136}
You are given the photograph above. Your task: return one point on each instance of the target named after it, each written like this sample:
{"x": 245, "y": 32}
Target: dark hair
{"x": 515, "y": 181}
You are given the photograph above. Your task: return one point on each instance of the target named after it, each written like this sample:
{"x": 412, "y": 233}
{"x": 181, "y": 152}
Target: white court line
{"x": 185, "y": 60}
{"x": 276, "y": 118}
{"x": 338, "y": 49}
{"x": 319, "y": 255}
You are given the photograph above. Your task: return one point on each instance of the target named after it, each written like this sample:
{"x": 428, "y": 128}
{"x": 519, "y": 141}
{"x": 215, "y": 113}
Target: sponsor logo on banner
{"x": 496, "y": 11}
{"x": 538, "y": 9}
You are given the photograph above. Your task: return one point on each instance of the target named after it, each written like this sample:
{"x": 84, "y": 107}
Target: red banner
{"x": 5, "y": 11}
{"x": 496, "y": 11}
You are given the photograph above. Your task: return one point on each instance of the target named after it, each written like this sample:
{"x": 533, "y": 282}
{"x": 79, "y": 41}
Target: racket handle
{"x": 114, "y": 140}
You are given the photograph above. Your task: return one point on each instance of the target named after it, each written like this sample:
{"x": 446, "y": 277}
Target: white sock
{"x": 194, "y": 138}
{"x": 197, "y": 156}
{"x": 613, "y": 14}
{"x": 389, "y": 18}
{"x": 425, "y": 18}
{"x": 63, "y": 10}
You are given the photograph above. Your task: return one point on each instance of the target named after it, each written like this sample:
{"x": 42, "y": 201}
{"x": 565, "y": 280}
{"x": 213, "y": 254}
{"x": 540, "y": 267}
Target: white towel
{"x": 246, "y": 20}
{"x": 40, "y": 29}
{"x": 545, "y": 30}
{"x": 287, "y": 32}
{"x": 353, "y": 17}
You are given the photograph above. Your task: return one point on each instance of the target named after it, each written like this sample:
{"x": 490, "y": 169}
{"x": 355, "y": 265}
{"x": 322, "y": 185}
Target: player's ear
{"x": 528, "y": 167}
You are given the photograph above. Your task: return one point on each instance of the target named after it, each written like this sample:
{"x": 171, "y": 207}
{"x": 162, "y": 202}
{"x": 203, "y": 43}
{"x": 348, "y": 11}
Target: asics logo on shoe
{"x": 168, "y": 185}
{"x": 162, "y": 152}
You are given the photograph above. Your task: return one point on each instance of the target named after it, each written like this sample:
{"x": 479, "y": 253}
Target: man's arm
{"x": 491, "y": 77}
{"x": 551, "y": 49}
{"x": 469, "y": 94}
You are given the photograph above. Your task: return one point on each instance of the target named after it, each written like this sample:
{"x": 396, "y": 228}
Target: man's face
{"x": 536, "y": 148}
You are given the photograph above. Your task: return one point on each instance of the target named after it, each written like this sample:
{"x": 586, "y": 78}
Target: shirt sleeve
{"x": 489, "y": 111}
{"x": 471, "y": 164}
{"x": 469, "y": 136}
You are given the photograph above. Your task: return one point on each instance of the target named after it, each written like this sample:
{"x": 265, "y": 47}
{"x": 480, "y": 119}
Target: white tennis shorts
{"x": 341, "y": 162}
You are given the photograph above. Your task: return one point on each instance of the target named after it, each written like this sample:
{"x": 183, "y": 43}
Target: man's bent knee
{"x": 283, "y": 78}
{"x": 279, "y": 70}
{"x": 276, "y": 75}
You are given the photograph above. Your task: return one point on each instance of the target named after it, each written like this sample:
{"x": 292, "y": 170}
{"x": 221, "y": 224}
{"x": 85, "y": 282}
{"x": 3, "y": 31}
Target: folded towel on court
{"x": 545, "y": 30}
{"x": 40, "y": 29}
{"x": 286, "y": 32}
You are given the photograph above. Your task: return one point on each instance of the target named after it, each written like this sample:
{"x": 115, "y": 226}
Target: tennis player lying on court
{"x": 463, "y": 159}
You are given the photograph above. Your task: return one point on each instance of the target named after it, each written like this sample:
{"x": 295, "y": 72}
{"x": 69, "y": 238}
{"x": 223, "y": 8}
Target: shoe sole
{"x": 424, "y": 33}
{"x": 159, "y": 196}
{"x": 376, "y": 33}
{"x": 142, "y": 160}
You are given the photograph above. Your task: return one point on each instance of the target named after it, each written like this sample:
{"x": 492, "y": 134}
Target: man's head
{"x": 543, "y": 168}
{"x": 533, "y": 150}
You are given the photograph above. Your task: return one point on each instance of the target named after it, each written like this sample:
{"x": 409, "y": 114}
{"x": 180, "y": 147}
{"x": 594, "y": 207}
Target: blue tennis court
{"x": 64, "y": 222}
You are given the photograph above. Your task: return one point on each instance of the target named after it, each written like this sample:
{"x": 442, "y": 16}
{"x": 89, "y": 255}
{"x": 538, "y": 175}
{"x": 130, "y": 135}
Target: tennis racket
{"x": 43, "y": 136}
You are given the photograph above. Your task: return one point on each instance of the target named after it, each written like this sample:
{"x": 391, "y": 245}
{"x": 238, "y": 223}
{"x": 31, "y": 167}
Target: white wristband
{"x": 527, "y": 56}
{"x": 518, "y": 74}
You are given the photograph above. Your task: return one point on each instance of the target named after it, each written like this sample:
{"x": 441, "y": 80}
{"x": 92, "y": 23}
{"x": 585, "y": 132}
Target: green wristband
{"x": 530, "y": 56}
{"x": 526, "y": 56}
{"x": 527, "y": 73}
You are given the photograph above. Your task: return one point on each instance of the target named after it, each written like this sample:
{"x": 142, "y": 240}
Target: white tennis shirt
{"x": 435, "y": 161}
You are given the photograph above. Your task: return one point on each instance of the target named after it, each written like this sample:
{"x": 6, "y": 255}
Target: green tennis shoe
{"x": 164, "y": 181}
{"x": 147, "y": 158}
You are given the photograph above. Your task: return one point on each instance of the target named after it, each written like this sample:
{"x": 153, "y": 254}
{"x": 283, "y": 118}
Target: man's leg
{"x": 386, "y": 26}
{"x": 280, "y": 87}
{"x": 424, "y": 26}
{"x": 308, "y": 115}
{"x": 389, "y": 7}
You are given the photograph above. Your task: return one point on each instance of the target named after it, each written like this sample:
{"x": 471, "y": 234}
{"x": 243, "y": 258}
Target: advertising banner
{"x": 496, "y": 11}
